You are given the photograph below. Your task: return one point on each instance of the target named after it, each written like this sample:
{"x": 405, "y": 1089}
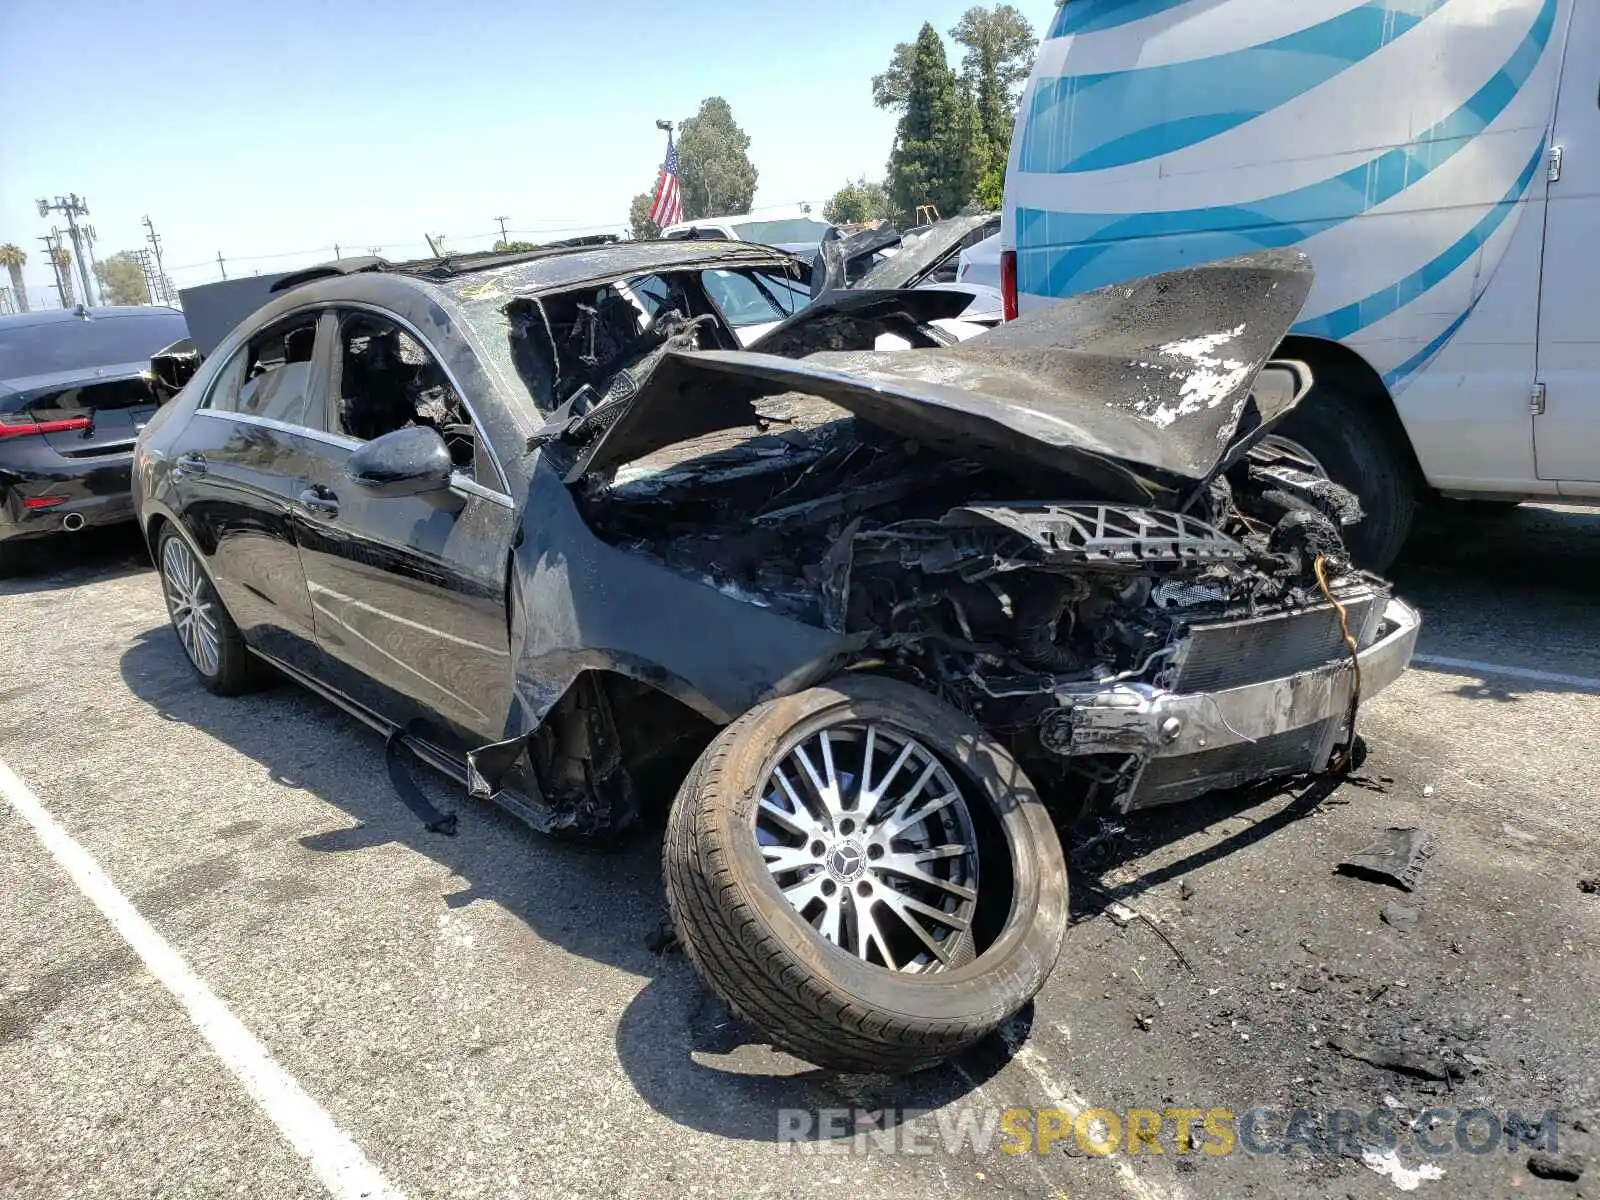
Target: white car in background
{"x": 981, "y": 263}
{"x": 791, "y": 229}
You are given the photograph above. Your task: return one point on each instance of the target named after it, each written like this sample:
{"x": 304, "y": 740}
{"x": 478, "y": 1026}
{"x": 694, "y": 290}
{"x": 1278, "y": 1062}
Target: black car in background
{"x": 73, "y": 397}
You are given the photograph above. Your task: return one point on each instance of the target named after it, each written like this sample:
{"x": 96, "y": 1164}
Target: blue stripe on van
{"x": 1059, "y": 253}
{"x": 1094, "y": 121}
{"x": 1401, "y": 374}
{"x": 1088, "y": 16}
{"x": 1342, "y": 322}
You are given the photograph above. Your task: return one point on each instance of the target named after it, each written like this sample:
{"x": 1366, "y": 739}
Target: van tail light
{"x": 10, "y": 427}
{"x": 36, "y": 502}
{"x": 1008, "y": 283}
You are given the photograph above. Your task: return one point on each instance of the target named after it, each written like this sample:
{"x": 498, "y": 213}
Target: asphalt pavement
{"x": 236, "y": 965}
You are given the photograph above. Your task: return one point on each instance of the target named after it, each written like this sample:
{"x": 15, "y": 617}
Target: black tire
{"x": 232, "y": 670}
{"x": 810, "y": 996}
{"x": 1363, "y": 450}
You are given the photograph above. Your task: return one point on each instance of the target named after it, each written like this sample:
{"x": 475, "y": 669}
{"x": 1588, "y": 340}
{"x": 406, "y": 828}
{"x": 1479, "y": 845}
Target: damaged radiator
{"x": 1227, "y": 654}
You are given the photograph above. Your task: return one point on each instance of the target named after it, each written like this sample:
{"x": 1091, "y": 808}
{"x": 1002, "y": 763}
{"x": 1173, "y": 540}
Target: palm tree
{"x": 61, "y": 259}
{"x": 12, "y": 259}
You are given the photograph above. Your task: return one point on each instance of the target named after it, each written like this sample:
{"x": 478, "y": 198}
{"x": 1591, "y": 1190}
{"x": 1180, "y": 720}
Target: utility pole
{"x": 152, "y": 284}
{"x": 72, "y": 207}
{"x": 436, "y": 244}
{"x": 502, "y": 220}
{"x": 154, "y": 238}
{"x": 222, "y": 266}
{"x": 52, "y": 252}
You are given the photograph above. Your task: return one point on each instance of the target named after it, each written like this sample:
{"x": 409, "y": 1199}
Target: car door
{"x": 1567, "y": 433}
{"x": 254, "y": 444}
{"x": 408, "y": 592}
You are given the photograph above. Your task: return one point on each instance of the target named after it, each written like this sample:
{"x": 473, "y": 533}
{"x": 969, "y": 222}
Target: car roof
{"x": 552, "y": 268}
{"x": 61, "y": 316}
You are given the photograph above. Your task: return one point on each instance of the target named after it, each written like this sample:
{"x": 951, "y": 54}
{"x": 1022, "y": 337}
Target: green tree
{"x": 999, "y": 55}
{"x": 121, "y": 279}
{"x": 513, "y": 247}
{"x": 858, "y": 201}
{"x": 639, "y": 217}
{"x": 12, "y": 259}
{"x": 933, "y": 160}
{"x": 714, "y": 167}
{"x": 890, "y": 89}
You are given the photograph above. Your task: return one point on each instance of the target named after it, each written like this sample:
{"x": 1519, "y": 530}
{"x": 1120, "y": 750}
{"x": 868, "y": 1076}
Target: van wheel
{"x": 866, "y": 876}
{"x": 1357, "y": 449}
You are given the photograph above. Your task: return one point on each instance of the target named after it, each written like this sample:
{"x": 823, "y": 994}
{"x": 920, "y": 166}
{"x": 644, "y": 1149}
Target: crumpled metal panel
{"x": 855, "y": 317}
{"x": 926, "y": 251}
{"x": 1137, "y": 389}
{"x": 579, "y": 604}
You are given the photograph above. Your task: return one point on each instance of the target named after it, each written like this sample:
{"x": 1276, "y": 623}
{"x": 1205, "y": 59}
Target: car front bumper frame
{"x": 1192, "y": 743}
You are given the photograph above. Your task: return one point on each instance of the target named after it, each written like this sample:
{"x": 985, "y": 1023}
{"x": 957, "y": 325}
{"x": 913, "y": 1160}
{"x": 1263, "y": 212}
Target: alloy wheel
{"x": 869, "y": 837}
{"x": 191, "y": 607}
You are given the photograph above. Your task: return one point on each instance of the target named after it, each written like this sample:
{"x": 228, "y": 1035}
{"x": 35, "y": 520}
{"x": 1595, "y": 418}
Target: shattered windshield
{"x": 755, "y": 297}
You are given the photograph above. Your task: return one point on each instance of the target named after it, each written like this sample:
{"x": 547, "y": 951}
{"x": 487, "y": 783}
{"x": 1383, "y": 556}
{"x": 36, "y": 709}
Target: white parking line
{"x": 1488, "y": 668}
{"x": 338, "y": 1162}
{"x": 1072, "y": 1102}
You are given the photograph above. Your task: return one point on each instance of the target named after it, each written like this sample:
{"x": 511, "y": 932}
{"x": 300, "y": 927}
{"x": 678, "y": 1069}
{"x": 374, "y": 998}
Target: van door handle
{"x": 190, "y": 464}
{"x": 320, "y": 501}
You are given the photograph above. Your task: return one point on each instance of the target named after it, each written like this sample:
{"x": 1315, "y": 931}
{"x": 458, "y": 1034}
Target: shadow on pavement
{"x": 57, "y": 563}
{"x": 1531, "y": 548}
{"x": 1510, "y": 588}
{"x": 1099, "y": 846}
{"x": 685, "y": 1053}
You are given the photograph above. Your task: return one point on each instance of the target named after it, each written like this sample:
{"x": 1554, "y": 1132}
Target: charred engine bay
{"x": 985, "y": 587}
{"x": 938, "y": 523}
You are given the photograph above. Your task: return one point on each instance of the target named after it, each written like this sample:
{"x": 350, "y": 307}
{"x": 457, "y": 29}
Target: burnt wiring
{"x": 1344, "y": 759}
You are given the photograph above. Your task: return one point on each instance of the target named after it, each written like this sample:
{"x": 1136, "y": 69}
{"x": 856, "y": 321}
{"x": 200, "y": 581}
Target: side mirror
{"x": 171, "y": 368}
{"x": 407, "y": 462}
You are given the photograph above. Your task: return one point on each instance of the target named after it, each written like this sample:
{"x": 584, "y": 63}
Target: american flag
{"x": 668, "y": 208}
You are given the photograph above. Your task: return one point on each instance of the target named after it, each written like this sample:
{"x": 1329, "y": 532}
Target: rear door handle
{"x": 321, "y": 501}
{"x": 190, "y": 464}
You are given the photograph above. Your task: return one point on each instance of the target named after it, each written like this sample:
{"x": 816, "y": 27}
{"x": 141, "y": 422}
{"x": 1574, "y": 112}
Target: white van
{"x": 1439, "y": 160}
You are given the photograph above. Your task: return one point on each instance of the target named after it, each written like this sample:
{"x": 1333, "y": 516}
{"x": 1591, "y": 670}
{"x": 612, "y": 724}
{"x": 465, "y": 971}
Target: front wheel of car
{"x": 210, "y": 640}
{"x": 866, "y": 876}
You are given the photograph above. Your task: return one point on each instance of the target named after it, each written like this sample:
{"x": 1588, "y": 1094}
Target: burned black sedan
{"x": 884, "y": 617}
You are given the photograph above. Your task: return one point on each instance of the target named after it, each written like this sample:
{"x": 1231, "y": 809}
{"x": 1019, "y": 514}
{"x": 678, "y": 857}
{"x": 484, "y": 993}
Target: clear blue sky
{"x": 277, "y": 129}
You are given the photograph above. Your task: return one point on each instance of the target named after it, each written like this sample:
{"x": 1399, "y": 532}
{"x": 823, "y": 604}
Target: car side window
{"x": 271, "y": 375}
{"x": 387, "y": 379}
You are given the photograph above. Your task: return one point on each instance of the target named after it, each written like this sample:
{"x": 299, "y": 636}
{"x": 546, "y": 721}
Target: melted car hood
{"x": 1138, "y": 388}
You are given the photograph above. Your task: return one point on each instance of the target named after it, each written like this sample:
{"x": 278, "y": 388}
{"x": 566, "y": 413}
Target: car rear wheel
{"x": 210, "y": 639}
{"x": 866, "y": 876}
